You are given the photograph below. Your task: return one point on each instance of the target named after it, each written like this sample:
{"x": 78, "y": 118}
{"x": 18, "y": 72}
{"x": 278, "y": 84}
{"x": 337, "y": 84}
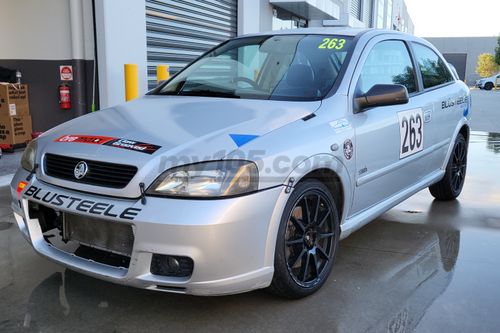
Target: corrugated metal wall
{"x": 178, "y": 31}
{"x": 356, "y": 8}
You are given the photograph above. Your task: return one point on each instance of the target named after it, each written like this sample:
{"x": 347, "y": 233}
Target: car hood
{"x": 182, "y": 129}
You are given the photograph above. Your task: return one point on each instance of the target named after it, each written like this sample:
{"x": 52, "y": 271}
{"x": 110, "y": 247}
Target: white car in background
{"x": 488, "y": 83}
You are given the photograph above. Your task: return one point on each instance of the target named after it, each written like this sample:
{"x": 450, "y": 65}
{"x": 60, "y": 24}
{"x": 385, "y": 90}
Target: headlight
{"x": 207, "y": 180}
{"x": 28, "y": 159}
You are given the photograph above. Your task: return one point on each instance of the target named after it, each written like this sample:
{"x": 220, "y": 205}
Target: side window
{"x": 388, "y": 63}
{"x": 434, "y": 71}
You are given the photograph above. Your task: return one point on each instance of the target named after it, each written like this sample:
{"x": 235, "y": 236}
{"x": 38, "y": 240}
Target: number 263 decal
{"x": 332, "y": 43}
{"x": 411, "y": 130}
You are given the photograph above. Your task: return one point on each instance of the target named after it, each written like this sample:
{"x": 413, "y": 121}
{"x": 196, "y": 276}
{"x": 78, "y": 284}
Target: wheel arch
{"x": 328, "y": 168}
{"x": 333, "y": 173}
{"x": 332, "y": 180}
{"x": 462, "y": 128}
{"x": 465, "y": 131}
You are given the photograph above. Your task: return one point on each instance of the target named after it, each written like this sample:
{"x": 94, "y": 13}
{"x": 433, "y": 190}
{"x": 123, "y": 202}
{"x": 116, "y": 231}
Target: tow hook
{"x": 143, "y": 193}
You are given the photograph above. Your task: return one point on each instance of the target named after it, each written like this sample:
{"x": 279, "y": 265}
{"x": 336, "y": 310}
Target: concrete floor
{"x": 424, "y": 266}
{"x": 486, "y": 110}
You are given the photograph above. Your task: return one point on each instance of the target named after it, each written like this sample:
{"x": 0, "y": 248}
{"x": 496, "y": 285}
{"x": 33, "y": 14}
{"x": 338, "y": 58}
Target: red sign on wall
{"x": 66, "y": 73}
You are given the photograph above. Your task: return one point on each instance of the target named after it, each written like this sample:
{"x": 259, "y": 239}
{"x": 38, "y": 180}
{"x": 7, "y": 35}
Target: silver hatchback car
{"x": 246, "y": 169}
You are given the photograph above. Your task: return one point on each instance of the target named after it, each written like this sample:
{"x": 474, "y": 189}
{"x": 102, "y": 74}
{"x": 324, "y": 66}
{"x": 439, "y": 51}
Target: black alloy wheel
{"x": 459, "y": 166}
{"x": 307, "y": 241}
{"x": 451, "y": 185}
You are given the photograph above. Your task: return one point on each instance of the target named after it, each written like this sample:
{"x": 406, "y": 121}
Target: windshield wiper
{"x": 208, "y": 93}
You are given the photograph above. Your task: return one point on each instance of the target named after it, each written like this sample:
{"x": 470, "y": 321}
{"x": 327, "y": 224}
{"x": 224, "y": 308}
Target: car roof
{"x": 344, "y": 31}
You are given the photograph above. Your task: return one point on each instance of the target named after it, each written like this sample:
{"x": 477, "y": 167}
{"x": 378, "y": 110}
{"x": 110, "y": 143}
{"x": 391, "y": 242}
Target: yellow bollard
{"x": 131, "y": 82}
{"x": 162, "y": 73}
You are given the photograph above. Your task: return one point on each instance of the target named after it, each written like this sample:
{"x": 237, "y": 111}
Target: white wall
{"x": 254, "y": 16}
{"x": 121, "y": 39}
{"x": 41, "y": 30}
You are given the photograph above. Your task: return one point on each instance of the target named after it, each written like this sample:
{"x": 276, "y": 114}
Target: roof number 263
{"x": 411, "y": 130}
{"x": 332, "y": 43}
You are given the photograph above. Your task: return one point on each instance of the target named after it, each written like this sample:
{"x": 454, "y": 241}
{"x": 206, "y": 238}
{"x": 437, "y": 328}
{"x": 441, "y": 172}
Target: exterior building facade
{"x": 462, "y": 52}
{"x": 98, "y": 37}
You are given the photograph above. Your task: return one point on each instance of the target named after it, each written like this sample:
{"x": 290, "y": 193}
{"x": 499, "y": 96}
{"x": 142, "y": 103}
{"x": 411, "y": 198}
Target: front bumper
{"x": 231, "y": 241}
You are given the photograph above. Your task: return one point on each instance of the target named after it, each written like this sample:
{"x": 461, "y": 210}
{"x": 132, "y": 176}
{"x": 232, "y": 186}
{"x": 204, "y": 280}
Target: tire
{"x": 488, "y": 86}
{"x": 449, "y": 244}
{"x": 450, "y": 187}
{"x": 307, "y": 241}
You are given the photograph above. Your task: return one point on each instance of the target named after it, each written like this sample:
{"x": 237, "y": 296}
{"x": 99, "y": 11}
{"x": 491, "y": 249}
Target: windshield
{"x": 283, "y": 67}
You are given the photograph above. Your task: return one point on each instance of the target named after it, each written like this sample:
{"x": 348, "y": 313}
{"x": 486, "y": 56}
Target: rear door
{"x": 445, "y": 103}
{"x": 390, "y": 138}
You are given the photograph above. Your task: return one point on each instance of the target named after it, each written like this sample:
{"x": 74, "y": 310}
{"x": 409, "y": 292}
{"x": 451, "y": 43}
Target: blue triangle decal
{"x": 241, "y": 139}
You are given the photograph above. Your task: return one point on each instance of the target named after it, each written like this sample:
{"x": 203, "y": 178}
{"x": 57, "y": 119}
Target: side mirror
{"x": 381, "y": 95}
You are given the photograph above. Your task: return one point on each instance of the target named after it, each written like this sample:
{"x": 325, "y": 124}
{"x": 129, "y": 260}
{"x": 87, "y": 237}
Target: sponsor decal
{"x": 142, "y": 147}
{"x": 82, "y": 205}
{"x": 451, "y": 103}
{"x": 341, "y": 125}
{"x": 20, "y": 187}
{"x": 128, "y": 144}
{"x": 348, "y": 149}
{"x": 427, "y": 116}
{"x": 89, "y": 139}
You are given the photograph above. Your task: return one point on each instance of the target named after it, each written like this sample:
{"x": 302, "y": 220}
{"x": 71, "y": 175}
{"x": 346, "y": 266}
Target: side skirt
{"x": 357, "y": 221}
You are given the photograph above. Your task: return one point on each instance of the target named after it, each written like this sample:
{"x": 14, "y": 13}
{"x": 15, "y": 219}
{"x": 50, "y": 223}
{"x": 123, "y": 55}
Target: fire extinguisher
{"x": 64, "y": 97}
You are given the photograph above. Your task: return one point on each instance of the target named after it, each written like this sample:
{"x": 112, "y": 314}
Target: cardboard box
{"x": 15, "y": 130}
{"x": 14, "y": 100}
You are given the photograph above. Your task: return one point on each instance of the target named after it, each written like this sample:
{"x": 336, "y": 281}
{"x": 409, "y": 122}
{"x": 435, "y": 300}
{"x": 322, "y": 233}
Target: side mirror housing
{"x": 381, "y": 95}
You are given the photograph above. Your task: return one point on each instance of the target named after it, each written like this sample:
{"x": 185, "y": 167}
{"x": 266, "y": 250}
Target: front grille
{"x": 102, "y": 241}
{"x": 104, "y": 235}
{"x": 99, "y": 173}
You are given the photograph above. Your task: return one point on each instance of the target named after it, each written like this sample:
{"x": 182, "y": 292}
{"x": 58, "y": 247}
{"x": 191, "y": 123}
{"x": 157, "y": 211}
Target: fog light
{"x": 171, "y": 265}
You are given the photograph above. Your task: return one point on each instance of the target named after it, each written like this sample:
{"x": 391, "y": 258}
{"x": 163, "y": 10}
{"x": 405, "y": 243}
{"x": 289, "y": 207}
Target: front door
{"x": 388, "y": 137}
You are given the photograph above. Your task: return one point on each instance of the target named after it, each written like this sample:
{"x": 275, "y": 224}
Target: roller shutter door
{"x": 178, "y": 31}
{"x": 356, "y": 9}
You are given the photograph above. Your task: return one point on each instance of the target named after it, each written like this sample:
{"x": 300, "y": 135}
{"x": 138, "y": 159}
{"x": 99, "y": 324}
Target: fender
{"x": 463, "y": 121}
{"x": 315, "y": 162}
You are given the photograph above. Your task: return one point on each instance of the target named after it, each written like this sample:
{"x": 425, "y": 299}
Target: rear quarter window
{"x": 433, "y": 69}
